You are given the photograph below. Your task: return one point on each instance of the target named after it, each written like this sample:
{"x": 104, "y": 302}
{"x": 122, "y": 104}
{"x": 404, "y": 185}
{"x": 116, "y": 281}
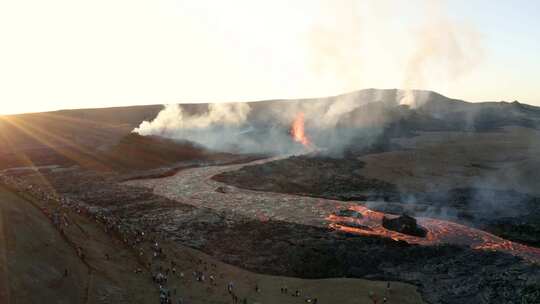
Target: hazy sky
{"x": 70, "y": 53}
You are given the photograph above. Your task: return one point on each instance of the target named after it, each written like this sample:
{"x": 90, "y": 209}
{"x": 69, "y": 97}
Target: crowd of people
{"x": 56, "y": 207}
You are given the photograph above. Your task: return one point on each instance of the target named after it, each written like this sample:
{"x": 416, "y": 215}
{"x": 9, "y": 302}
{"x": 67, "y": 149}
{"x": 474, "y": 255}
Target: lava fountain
{"x": 298, "y": 131}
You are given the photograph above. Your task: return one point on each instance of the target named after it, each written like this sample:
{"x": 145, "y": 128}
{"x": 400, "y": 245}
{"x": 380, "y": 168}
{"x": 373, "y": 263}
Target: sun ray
{"x": 21, "y": 158}
{"x": 63, "y": 146}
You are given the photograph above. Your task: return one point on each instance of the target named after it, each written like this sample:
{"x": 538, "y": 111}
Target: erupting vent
{"x": 298, "y": 132}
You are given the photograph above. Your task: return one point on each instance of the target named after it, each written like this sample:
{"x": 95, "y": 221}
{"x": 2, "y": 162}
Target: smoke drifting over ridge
{"x": 444, "y": 52}
{"x": 220, "y": 127}
{"x": 441, "y": 50}
{"x": 331, "y": 124}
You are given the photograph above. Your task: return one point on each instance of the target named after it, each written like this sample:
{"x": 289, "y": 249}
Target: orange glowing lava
{"x": 439, "y": 232}
{"x": 298, "y": 132}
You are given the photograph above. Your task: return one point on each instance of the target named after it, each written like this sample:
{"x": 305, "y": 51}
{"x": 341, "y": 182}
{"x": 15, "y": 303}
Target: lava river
{"x": 438, "y": 232}
{"x": 196, "y": 187}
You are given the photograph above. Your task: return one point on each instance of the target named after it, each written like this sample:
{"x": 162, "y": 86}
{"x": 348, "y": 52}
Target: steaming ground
{"x": 486, "y": 179}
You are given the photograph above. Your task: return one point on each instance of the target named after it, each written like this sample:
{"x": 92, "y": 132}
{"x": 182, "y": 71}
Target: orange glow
{"x": 438, "y": 232}
{"x": 298, "y": 132}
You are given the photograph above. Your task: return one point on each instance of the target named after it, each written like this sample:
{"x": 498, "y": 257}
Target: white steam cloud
{"x": 444, "y": 51}
{"x": 172, "y": 119}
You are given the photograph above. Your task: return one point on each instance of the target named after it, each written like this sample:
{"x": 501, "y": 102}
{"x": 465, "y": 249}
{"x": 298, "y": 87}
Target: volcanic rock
{"x": 404, "y": 224}
{"x": 353, "y": 225}
{"x": 348, "y": 213}
{"x": 223, "y": 189}
{"x": 148, "y": 152}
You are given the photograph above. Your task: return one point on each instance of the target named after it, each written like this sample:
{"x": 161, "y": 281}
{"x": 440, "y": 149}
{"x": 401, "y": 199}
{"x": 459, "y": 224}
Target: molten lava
{"x": 298, "y": 132}
{"x": 438, "y": 232}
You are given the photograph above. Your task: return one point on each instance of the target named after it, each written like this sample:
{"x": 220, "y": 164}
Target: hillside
{"x": 466, "y": 171}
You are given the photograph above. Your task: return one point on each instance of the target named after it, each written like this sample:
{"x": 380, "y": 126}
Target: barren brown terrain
{"x": 507, "y": 159}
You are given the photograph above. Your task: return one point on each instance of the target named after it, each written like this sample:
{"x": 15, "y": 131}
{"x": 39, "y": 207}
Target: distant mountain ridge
{"x": 97, "y": 129}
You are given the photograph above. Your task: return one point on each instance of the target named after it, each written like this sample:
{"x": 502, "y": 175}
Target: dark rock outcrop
{"x": 349, "y": 213}
{"x": 404, "y": 224}
{"x": 354, "y": 225}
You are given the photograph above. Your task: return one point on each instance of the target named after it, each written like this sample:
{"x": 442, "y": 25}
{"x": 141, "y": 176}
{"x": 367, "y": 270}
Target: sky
{"x": 62, "y": 54}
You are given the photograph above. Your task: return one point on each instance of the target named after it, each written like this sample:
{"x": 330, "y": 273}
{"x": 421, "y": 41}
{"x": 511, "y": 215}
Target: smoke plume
{"x": 172, "y": 119}
{"x": 441, "y": 50}
{"x": 444, "y": 51}
{"x": 331, "y": 125}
